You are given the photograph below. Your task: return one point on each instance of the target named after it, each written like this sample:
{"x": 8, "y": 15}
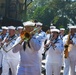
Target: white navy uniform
{"x": 1, "y": 55}
{"x": 10, "y": 60}
{"x": 54, "y": 58}
{"x": 29, "y": 59}
{"x": 72, "y": 55}
{"x": 66, "y": 60}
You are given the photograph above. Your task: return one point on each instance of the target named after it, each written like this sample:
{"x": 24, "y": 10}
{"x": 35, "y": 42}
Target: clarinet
{"x": 49, "y": 44}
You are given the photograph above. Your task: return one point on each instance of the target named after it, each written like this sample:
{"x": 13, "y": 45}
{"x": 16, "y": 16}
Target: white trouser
{"x": 63, "y": 59}
{"x": 9, "y": 63}
{"x": 1, "y": 57}
{"x": 29, "y": 70}
{"x": 66, "y": 66}
{"x": 40, "y": 58}
{"x": 53, "y": 68}
{"x": 72, "y": 65}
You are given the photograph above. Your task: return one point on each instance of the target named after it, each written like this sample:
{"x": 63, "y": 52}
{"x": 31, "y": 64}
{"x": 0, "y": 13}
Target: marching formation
{"x": 22, "y": 49}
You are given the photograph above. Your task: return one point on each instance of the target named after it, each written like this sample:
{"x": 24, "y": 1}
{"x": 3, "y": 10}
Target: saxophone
{"x": 66, "y": 51}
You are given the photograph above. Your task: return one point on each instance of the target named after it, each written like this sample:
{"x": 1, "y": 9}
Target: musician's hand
{"x": 46, "y": 45}
{"x": 52, "y": 44}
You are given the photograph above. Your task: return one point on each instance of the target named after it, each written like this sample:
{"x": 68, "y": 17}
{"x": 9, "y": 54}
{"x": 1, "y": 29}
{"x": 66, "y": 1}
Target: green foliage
{"x": 58, "y": 12}
{"x": 43, "y": 14}
{"x": 55, "y": 20}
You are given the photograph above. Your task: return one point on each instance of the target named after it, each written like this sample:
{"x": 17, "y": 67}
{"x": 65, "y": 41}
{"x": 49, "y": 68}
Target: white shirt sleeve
{"x": 35, "y": 43}
{"x": 59, "y": 46}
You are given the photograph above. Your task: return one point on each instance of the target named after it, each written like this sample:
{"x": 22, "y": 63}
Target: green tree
{"x": 59, "y": 12}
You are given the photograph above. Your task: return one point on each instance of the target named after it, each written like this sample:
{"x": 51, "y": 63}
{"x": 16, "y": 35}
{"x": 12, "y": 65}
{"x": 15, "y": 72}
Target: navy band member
{"x": 2, "y": 36}
{"x": 62, "y": 33}
{"x": 42, "y": 36}
{"x": 29, "y": 58}
{"x": 10, "y": 60}
{"x": 54, "y": 56}
{"x": 70, "y": 60}
{"x": 19, "y": 30}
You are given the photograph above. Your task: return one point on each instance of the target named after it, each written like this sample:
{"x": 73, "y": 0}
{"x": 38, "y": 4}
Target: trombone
{"x": 3, "y": 43}
{"x": 25, "y": 36}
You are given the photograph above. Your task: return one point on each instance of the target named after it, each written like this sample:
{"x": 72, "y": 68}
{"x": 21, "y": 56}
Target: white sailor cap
{"x": 39, "y": 24}
{"x": 52, "y": 27}
{"x": 11, "y": 27}
{"x": 51, "y": 24}
{"x": 4, "y": 27}
{"x": 19, "y": 27}
{"x": 55, "y": 30}
{"x": 71, "y": 27}
{"x": 62, "y": 28}
{"x": 28, "y": 23}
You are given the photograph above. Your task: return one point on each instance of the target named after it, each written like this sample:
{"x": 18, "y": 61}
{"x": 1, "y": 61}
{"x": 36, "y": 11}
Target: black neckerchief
{"x": 56, "y": 40}
{"x": 24, "y": 45}
{"x": 12, "y": 37}
{"x": 61, "y": 36}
